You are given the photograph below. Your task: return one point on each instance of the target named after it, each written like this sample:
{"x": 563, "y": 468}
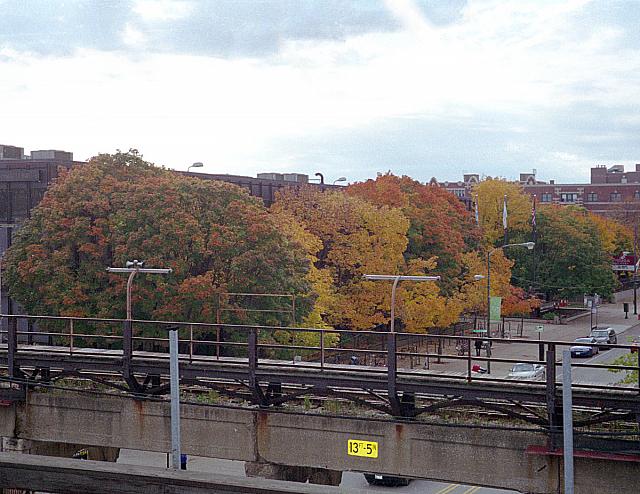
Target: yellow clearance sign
{"x": 369, "y": 449}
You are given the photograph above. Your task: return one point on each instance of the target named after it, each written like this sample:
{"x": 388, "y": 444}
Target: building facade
{"x": 612, "y": 191}
{"x": 23, "y": 181}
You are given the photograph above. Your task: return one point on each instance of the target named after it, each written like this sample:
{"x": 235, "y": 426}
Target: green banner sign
{"x": 496, "y": 303}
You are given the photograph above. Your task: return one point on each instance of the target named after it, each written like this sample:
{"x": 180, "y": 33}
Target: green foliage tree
{"x": 118, "y": 207}
{"x": 631, "y": 360}
{"x": 571, "y": 257}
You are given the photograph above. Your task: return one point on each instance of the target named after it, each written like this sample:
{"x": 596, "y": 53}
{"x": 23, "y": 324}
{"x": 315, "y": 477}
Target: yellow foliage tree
{"x": 356, "y": 238}
{"x": 473, "y": 294}
{"x": 490, "y": 195}
{"x": 615, "y": 236}
{"x": 320, "y": 282}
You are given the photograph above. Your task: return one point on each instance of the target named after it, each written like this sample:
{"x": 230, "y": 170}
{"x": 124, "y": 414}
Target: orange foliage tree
{"x": 115, "y": 208}
{"x": 440, "y": 227}
{"x": 358, "y": 238}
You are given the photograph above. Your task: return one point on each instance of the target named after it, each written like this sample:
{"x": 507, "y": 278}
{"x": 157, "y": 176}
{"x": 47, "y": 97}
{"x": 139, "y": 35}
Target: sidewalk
{"x": 610, "y": 315}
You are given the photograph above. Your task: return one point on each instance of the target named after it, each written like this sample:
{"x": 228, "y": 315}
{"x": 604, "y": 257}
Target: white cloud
{"x": 162, "y": 10}
{"x": 503, "y": 58}
{"x": 133, "y": 37}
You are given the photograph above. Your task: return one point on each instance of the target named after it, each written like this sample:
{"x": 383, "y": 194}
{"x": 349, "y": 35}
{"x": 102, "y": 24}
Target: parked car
{"x": 581, "y": 349}
{"x": 388, "y": 480}
{"x": 527, "y": 371}
{"x": 604, "y": 335}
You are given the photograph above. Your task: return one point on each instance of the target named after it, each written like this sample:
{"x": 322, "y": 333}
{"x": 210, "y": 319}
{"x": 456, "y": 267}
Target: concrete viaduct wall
{"x": 476, "y": 456}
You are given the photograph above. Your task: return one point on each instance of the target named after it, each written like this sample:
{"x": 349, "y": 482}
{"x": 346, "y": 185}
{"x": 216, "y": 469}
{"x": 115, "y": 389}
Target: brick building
{"x": 612, "y": 191}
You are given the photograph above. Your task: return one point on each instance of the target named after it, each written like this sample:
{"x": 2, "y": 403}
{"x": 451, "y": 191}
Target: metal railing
{"x": 276, "y": 346}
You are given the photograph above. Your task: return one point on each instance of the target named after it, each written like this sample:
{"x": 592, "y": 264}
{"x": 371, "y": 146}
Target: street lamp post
{"x": 133, "y": 268}
{"x": 528, "y": 245}
{"x": 396, "y": 280}
{"x": 197, "y": 164}
{"x": 392, "y": 364}
{"x": 341, "y": 179}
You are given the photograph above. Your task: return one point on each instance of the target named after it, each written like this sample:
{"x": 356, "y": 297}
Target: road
{"x": 599, "y": 376}
{"x": 349, "y": 479}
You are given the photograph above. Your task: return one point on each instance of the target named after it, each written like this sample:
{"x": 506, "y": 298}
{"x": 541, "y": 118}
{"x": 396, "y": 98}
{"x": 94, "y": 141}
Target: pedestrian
{"x": 487, "y": 345}
{"x": 478, "y": 345}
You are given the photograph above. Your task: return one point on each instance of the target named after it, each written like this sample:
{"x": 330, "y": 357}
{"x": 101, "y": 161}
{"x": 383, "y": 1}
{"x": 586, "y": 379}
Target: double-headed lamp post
{"x": 528, "y": 245}
{"x": 392, "y": 364}
{"x": 134, "y": 267}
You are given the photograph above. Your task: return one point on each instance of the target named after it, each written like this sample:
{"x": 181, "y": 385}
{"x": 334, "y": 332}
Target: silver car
{"x": 585, "y": 347}
{"x": 604, "y": 335}
{"x": 527, "y": 371}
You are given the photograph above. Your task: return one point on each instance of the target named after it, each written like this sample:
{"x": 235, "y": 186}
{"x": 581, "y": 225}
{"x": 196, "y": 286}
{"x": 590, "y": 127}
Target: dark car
{"x": 604, "y": 335}
{"x": 388, "y": 480}
{"x": 585, "y": 347}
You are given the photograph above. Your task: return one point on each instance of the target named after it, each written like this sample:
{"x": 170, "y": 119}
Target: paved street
{"x": 349, "y": 479}
{"x": 608, "y": 315}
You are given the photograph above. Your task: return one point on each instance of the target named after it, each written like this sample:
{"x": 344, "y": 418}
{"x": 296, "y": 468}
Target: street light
{"x": 396, "y": 279}
{"x": 134, "y": 267}
{"x": 528, "y": 245}
{"x": 341, "y": 179}
{"x": 197, "y": 164}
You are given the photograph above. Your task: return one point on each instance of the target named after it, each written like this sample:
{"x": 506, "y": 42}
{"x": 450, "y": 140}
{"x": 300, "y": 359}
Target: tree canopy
{"x": 213, "y": 235}
{"x": 439, "y": 225}
{"x": 571, "y": 256}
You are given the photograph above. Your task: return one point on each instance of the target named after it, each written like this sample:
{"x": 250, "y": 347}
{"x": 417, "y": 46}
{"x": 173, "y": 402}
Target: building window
{"x": 636, "y": 195}
{"x": 592, "y": 197}
{"x": 461, "y": 193}
{"x": 568, "y": 197}
{"x": 546, "y": 197}
{"x": 615, "y": 197}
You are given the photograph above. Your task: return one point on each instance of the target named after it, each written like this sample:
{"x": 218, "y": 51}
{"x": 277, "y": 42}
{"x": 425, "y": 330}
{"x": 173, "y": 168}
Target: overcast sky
{"x": 348, "y": 88}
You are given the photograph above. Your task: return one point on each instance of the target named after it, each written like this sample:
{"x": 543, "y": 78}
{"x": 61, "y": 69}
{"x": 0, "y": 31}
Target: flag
{"x": 475, "y": 202}
{"x": 504, "y": 213}
{"x": 533, "y": 214}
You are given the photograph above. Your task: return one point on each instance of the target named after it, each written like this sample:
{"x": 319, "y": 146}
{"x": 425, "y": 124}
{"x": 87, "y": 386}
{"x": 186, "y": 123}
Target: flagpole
{"x": 504, "y": 220}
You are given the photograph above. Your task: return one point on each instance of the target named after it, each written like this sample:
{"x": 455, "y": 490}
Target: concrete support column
{"x": 273, "y": 471}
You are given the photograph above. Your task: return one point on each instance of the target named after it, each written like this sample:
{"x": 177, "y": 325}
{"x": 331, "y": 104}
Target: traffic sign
{"x": 540, "y": 328}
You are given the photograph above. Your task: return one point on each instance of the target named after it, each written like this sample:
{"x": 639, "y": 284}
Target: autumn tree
{"x": 214, "y": 236}
{"x": 356, "y": 238}
{"x": 440, "y": 227}
{"x": 490, "y": 196}
{"x": 615, "y": 235}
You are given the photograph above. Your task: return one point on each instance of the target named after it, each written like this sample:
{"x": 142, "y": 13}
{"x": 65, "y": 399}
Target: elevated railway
{"x": 132, "y": 356}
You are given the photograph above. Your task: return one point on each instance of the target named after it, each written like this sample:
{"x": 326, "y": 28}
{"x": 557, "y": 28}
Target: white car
{"x": 527, "y": 371}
